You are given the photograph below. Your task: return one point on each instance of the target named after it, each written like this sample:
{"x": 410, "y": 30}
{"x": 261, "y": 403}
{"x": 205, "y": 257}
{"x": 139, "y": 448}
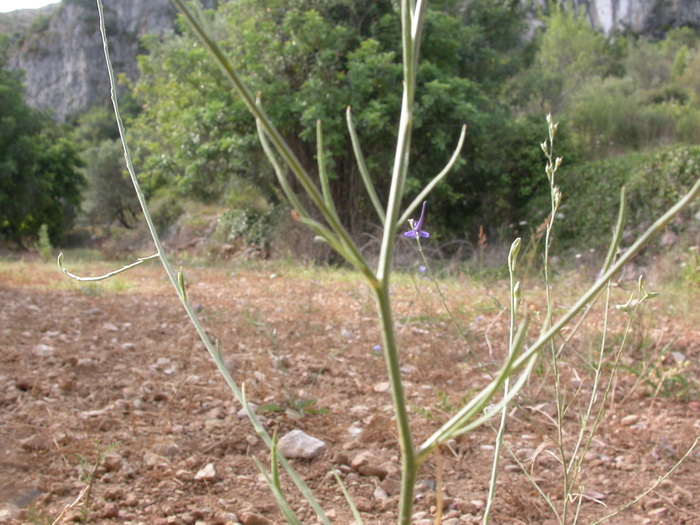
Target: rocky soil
{"x": 106, "y": 387}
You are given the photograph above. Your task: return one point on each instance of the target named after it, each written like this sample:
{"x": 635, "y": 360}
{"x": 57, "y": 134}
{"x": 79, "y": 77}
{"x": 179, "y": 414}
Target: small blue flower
{"x": 377, "y": 348}
{"x": 422, "y": 268}
{"x": 416, "y": 228}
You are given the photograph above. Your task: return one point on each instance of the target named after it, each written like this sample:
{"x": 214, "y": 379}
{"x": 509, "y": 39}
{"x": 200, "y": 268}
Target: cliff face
{"x": 65, "y": 70}
{"x": 647, "y": 17}
{"x": 63, "y": 58}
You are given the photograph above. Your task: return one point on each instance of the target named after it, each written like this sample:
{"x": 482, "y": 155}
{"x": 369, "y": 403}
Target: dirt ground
{"x": 110, "y": 381}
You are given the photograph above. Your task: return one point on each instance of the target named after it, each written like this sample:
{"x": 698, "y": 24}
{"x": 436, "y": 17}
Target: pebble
{"x": 382, "y": 387}
{"x": 248, "y": 518}
{"x": 367, "y": 464}
{"x": 131, "y": 500}
{"x": 35, "y": 442}
{"x": 183, "y": 475}
{"x": 380, "y": 494}
{"x": 110, "y": 327}
{"x": 42, "y": 350}
{"x": 206, "y": 474}
{"x": 629, "y": 420}
{"x": 153, "y": 460}
{"x": 113, "y": 494}
{"x": 298, "y": 444}
{"x": 363, "y": 504}
{"x": 110, "y": 510}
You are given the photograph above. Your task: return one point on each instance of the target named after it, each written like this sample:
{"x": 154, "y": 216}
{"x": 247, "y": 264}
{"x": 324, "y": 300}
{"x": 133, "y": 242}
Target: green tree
{"x": 40, "y": 181}
{"x": 110, "y": 195}
{"x": 312, "y": 59}
{"x": 570, "y": 55}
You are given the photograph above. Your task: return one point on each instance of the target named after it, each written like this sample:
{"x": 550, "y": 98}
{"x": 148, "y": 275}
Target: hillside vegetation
{"x": 629, "y": 112}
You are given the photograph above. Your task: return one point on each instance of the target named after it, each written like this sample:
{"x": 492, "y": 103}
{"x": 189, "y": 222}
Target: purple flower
{"x": 422, "y": 269}
{"x": 416, "y": 228}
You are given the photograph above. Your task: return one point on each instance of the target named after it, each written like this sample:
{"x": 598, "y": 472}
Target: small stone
{"x": 113, "y": 494}
{"x": 110, "y": 510}
{"x": 35, "y": 443}
{"x": 131, "y": 501}
{"x": 297, "y": 444}
{"x": 678, "y": 357}
{"x": 373, "y": 470}
{"x": 113, "y": 462}
{"x": 183, "y": 475}
{"x": 392, "y": 486}
{"x": 42, "y": 350}
{"x": 110, "y": 327}
{"x": 341, "y": 458}
{"x": 230, "y": 518}
{"x": 380, "y": 494}
{"x": 248, "y": 518}
{"x": 153, "y": 460}
{"x": 363, "y": 458}
{"x": 630, "y": 420}
{"x": 206, "y": 474}
{"x": 366, "y": 464}
{"x": 363, "y": 504}
{"x": 381, "y": 387}
{"x": 168, "y": 450}
{"x": 213, "y": 424}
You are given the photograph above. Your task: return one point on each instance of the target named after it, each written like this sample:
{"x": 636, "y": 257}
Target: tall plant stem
{"x": 410, "y": 463}
{"x": 411, "y": 24}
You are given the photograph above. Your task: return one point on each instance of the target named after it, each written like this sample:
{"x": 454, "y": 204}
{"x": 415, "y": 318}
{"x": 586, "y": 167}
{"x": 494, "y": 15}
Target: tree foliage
{"x": 109, "y": 194}
{"x": 311, "y": 59}
{"x": 39, "y": 178}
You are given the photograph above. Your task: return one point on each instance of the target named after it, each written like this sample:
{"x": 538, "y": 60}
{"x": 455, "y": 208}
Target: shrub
{"x": 591, "y": 192}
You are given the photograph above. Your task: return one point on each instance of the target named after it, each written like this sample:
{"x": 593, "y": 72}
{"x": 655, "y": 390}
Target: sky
{"x": 11, "y": 5}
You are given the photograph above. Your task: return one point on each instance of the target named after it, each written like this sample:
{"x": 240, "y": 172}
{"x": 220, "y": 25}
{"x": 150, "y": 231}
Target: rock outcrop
{"x": 63, "y": 59}
{"x": 651, "y": 18}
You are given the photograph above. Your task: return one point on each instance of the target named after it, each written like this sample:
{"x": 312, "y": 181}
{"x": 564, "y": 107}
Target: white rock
{"x": 297, "y": 444}
{"x": 629, "y": 420}
{"x": 206, "y": 474}
{"x": 43, "y": 350}
{"x": 380, "y": 494}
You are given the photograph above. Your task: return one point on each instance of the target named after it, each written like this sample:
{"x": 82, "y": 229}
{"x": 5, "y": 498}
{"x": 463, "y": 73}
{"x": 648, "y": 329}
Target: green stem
{"x": 410, "y": 463}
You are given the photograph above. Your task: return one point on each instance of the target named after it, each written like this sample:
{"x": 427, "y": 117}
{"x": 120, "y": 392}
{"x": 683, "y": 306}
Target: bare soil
{"x": 115, "y": 373}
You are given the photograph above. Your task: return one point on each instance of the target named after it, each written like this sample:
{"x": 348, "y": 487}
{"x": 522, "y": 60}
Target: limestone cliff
{"x": 647, "y": 17}
{"x": 63, "y": 58}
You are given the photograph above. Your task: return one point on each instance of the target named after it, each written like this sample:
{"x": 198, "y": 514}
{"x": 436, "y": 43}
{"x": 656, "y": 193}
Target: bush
{"x": 249, "y": 226}
{"x": 591, "y": 193}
